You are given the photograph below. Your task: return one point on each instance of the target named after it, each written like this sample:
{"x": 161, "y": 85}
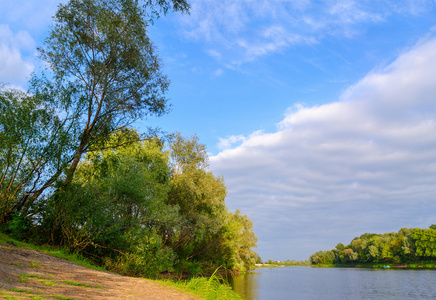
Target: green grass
{"x": 18, "y": 264}
{"x": 21, "y": 291}
{"x": 23, "y": 278}
{"x": 61, "y": 297}
{"x": 48, "y": 283}
{"x": 26, "y": 276}
{"x": 34, "y": 264}
{"x": 75, "y": 283}
{"x": 211, "y": 288}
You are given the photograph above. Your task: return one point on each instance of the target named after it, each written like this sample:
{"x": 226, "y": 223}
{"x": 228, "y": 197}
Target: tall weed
{"x": 213, "y": 288}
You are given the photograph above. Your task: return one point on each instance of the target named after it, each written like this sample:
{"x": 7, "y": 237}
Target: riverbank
{"x": 29, "y": 274}
{"x": 37, "y": 274}
{"x": 268, "y": 266}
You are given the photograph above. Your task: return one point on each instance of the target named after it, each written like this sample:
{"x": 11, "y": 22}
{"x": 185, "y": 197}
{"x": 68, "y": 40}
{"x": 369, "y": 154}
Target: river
{"x": 335, "y": 283}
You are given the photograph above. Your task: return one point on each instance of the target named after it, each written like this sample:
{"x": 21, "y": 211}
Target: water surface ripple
{"x": 335, "y": 283}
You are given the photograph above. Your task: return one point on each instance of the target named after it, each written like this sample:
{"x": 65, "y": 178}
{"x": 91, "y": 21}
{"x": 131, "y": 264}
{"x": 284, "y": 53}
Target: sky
{"x": 320, "y": 115}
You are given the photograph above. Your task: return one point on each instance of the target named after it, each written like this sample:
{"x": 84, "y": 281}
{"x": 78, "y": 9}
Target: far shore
{"x": 269, "y": 266}
{"x": 430, "y": 265}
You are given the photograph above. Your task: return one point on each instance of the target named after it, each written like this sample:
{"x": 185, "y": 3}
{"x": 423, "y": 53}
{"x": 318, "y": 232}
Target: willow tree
{"x": 32, "y": 145}
{"x": 103, "y": 71}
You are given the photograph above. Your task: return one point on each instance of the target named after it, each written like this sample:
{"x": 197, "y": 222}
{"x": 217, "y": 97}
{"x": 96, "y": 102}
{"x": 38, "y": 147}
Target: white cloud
{"x": 225, "y": 143}
{"x": 14, "y": 68}
{"x": 32, "y": 15}
{"x": 247, "y": 29}
{"x": 363, "y": 163}
{"x": 217, "y": 73}
{"x": 214, "y": 53}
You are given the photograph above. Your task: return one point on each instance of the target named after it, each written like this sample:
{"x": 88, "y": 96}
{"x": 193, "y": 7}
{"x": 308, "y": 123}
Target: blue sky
{"x": 320, "y": 115}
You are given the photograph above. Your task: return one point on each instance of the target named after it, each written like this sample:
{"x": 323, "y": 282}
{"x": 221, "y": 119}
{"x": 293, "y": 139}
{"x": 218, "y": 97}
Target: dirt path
{"x": 28, "y": 274}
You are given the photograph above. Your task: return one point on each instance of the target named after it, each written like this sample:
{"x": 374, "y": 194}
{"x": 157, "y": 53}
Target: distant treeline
{"x": 289, "y": 263}
{"x": 408, "y": 245}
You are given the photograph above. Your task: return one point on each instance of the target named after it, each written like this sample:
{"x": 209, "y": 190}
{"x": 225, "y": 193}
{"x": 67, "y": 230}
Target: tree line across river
{"x": 409, "y": 245}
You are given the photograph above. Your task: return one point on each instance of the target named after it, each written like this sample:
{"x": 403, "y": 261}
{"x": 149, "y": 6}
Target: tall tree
{"x": 104, "y": 73}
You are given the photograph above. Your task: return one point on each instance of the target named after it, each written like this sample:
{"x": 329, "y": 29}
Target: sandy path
{"x": 28, "y": 274}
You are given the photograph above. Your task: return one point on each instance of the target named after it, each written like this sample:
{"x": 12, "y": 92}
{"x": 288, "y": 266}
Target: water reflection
{"x": 335, "y": 283}
{"x": 246, "y": 284}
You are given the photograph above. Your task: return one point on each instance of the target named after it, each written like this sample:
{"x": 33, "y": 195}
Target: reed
{"x": 213, "y": 288}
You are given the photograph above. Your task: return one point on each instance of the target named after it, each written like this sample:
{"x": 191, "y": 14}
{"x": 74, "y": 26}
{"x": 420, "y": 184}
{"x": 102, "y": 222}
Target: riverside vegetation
{"x": 286, "y": 263}
{"x": 409, "y": 248}
{"x": 39, "y": 274}
{"x": 75, "y": 174}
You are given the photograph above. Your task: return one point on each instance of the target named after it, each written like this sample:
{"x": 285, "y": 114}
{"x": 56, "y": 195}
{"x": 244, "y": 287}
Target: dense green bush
{"x": 129, "y": 209}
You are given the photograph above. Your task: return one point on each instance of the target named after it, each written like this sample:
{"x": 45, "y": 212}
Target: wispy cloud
{"x": 246, "y": 29}
{"x": 217, "y": 73}
{"x": 367, "y": 158}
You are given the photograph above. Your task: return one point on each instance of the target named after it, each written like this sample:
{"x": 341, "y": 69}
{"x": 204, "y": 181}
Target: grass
{"x": 62, "y": 297}
{"x": 51, "y": 281}
{"x": 34, "y": 264}
{"x": 24, "y": 277}
{"x": 18, "y": 264}
{"x": 212, "y": 288}
{"x": 48, "y": 283}
{"x": 30, "y": 293}
{"x": 21, "y": 291}
{"x": 75, "y": 283}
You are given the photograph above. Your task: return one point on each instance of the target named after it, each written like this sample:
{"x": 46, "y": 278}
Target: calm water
{"x": 335, "y": 283}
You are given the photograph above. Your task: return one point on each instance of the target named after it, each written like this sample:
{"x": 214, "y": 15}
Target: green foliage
{"x": 32, "y": 145}
{"x": 212, "y": 288}
{"x": 114, "y": 209}
{"x": 72, "y": 172}
{"x": 103, "y": 74}
{"x": 104, "y": 70}
{"x": 127, "y": 210}
{"x": 18, "y": 226}
{"x": 408, "y": 245}
{"x": 288, "y": 263}
{"x": 148, "y": 259}
{"x": 209, "y": 235}
{"x": 240, "y": 241}
{"x": 186, "y": 154}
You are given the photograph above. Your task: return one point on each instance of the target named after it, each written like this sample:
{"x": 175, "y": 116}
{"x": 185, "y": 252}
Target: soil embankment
{"x": 28, "y": 274}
